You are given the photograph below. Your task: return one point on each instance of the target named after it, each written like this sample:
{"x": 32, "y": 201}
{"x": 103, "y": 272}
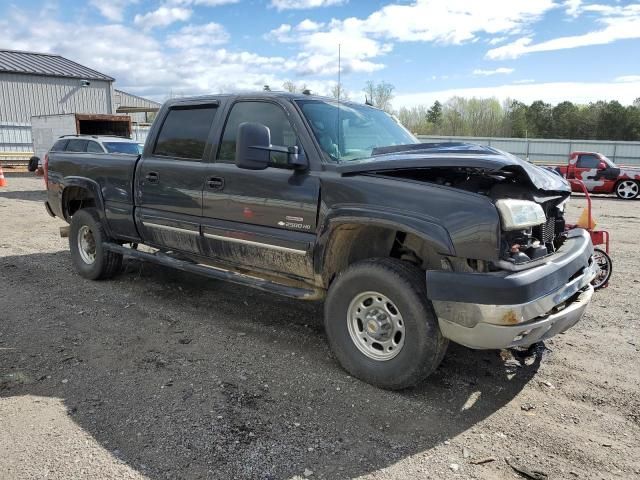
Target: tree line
{"x": 487, "y": 117}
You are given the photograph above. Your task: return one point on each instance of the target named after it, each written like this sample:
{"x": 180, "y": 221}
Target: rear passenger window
{"x": 184, "y": 132}
{"x": 76, "y": 145}
{"x": 94, "y": 147}
{"x": 59, "y": 146}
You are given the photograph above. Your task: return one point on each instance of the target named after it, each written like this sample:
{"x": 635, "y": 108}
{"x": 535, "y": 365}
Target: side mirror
{"x": 252, "y": 146}
{"x": 253, "y": 149}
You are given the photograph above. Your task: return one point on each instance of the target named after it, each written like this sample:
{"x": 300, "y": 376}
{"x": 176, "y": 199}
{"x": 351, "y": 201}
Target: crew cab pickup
{"x": 410, "y": 245}
{"x": 601, "y": 175}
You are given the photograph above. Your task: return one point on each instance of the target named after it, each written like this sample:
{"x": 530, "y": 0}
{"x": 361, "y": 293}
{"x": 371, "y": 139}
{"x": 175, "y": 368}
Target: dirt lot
{"x": 157, "y": 374}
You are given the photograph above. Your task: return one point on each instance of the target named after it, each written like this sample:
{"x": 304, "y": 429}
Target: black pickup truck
{"x": 410, "y": 244}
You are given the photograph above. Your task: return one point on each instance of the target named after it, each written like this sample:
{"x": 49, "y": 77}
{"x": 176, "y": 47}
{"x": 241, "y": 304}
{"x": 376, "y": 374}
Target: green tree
{"x": 540, "y": 119}
{"x": 565, "y": 120}
{"x": 434, "y": 114}
{"x": 516, "y": 119}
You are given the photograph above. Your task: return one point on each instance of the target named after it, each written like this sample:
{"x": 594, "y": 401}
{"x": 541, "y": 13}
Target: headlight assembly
{"x": 519, "y": 214}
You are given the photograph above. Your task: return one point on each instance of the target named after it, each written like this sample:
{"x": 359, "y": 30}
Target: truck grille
{"x": 547, "y": 231}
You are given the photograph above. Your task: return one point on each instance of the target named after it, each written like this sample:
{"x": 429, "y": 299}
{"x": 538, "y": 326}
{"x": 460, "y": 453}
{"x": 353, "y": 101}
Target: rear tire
{"x": 380, "y": 324}
{"x": 627, "y": 189}
{"x": 86, "y": 237}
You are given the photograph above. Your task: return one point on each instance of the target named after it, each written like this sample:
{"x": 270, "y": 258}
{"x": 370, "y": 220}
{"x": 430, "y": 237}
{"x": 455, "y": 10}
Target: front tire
{"x": 627, "y": 189}
{"x": 86, "y": 237}
{"x": 380, "y": 324}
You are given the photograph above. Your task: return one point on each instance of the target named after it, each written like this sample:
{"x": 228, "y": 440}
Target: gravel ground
{"x": 158, "y": 374}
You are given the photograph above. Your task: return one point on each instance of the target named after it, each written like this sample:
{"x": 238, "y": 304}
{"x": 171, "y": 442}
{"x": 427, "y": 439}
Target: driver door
{"x": 262, "y": 219}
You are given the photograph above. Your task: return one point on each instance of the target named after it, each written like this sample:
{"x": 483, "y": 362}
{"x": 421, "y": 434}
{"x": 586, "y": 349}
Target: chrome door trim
{"x": 170, "y": 228}
{"x": 255, "y": 244}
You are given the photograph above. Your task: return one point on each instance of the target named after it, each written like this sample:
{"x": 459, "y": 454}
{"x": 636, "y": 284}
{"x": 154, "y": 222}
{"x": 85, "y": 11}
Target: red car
{"x": 601, "y": 175}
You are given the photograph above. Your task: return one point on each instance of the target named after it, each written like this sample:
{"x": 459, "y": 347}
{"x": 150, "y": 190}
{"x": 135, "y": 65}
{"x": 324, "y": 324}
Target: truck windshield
{"x": 348, "y": 132}
{"x": 122, "y": 147}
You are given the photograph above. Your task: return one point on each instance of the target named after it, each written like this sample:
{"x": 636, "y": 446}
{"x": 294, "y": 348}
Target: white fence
{"x": 551, "y": 151}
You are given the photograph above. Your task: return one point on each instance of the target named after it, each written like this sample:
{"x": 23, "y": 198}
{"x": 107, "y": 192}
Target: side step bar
{"x": 218, "y": 273}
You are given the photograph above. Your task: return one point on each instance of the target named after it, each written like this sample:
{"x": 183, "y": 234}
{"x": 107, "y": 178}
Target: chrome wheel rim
{"x": 376, "y": 326}
{"x": 627, "y": 189}
{"x": 603, "y": 268}
{"x": 86, "y": 245}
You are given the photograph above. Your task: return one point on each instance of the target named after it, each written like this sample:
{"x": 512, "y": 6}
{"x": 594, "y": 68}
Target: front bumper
{"x": 505, "y": 309}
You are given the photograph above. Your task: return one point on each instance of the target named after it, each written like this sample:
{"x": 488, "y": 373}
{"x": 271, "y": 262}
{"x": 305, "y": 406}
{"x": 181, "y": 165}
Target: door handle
{"x": 152, "y": 177}
{"x": 215, "y": 183}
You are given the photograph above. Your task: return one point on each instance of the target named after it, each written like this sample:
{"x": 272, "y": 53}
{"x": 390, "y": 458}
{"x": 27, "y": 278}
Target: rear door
{"x": 265, "y": 219}
{"x": 170, "y": 178}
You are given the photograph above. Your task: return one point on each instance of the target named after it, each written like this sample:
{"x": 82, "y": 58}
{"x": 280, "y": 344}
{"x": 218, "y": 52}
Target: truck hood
{"x": 541, "y": 178}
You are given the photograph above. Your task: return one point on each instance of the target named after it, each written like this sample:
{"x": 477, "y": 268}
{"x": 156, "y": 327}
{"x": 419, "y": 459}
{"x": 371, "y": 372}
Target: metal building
{"x": 141, "y": 110}
{"x": 33, "y": 84}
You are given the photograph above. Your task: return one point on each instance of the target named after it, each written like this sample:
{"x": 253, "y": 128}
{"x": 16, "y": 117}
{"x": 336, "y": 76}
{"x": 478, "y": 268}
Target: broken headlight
{"x": 519, "y": 214}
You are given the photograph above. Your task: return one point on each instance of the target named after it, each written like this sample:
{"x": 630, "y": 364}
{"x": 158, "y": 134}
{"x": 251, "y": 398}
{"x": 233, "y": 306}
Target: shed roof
{"x": 48, "y": 64}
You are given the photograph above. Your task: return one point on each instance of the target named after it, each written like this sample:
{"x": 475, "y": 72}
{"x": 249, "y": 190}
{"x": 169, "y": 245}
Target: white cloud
{"x": 162, "y": 17}
{"x": 573, "y": 7}
{"x": 214, "y": 3}
{"x": 143, "y": 65}
{"x": 486, "y": 73}
{"x": 204, "y": 3}
{"x": 619, "y": 23}
{"x": 112, "y": 10}
{"x": 365, "y": 40}
{"x": 553, "y": 92}
{"x": 628, "y": 78}
{"x": 497, "y": 40}
{"x": 303, "y": 4}
{"x": 191, "y": 36}
{"x": 309, "y": 25}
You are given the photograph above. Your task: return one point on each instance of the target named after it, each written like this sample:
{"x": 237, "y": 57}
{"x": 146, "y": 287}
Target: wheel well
{"x": 350, "y": 243}
{"x": 75, "y": 198}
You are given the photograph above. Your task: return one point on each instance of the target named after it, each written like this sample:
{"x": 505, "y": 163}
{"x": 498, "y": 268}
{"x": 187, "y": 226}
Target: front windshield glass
{"x": 122, "y": 147}
{"x": 348, "y": 132}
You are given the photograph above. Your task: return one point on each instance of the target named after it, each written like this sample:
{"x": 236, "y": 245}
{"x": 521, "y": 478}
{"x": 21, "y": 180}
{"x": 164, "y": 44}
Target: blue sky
{"x": 428, "y": 49}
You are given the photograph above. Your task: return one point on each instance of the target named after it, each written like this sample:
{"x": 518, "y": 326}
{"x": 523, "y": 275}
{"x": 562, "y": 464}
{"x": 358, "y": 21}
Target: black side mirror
{"x": 253, "y": 149}
{"x": 252, "y": 146}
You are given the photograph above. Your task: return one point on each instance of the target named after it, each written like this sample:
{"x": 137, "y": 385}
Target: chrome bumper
{"x": 503, "y": 326}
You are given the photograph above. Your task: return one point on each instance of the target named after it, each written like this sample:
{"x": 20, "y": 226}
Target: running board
{"x": 218, "y": 273}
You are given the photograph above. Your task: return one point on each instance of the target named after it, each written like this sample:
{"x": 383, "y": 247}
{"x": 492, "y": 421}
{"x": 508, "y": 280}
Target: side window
{"x": 184, "y": 132}
{"x": 94, "y": 147}
{"x": 588, "y": 161}
{"x": 77, "y": 145}
{"x": 268, "y": 114}
{"x": 59, "y": 146}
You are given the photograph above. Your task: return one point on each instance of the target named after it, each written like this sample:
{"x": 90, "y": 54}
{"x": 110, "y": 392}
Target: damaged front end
{"x": 537, "y": 282}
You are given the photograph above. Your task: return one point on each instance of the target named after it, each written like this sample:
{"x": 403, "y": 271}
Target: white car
{"x": 89, "y": 144}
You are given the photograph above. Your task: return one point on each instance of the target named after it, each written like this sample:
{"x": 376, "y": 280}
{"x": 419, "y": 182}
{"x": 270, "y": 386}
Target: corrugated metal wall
{"x": 23, "y": 96}
{"x": 550, "y": 151}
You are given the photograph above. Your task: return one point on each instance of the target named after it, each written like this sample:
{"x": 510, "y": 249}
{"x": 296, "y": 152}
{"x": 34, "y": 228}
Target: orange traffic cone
{"x": 3, "y": 181}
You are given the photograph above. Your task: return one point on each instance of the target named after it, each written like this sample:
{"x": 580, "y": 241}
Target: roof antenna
{"x": 266, "y": 88}
{"x": 339, "y": 92}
